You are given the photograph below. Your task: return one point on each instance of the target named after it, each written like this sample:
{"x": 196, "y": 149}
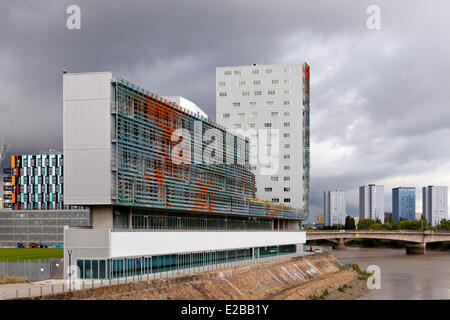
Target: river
{"x": 404, "y": 276}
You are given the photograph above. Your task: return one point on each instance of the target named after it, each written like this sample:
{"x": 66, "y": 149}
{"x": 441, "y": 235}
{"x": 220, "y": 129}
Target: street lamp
{"x": 69, "y": 252}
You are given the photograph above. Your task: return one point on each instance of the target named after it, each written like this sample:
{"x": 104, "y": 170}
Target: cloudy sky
{"x": 379, "y": 98}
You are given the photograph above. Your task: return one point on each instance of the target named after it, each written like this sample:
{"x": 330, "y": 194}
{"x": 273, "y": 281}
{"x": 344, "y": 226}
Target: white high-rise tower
{"x": 270, "y": 104}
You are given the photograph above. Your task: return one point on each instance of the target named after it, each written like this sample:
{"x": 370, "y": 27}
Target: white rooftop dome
{"x": 187, "y": 104}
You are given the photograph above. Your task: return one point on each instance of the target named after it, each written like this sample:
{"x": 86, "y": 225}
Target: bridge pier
{"x": 340, "y": 245}
{"x": 416, "y": 248}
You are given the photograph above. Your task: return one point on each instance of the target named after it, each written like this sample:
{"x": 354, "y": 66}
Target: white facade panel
{"x": 334, "y": 207}
{"x": 435, "y": 204}
{"x": 371, "y": 202}
{"x": 87, "y": 138}
{"x": 249, "y": 102}
{"x": 158, "y": 243}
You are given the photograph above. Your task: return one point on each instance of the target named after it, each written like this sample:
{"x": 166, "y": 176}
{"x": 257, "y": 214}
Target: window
{"x": 252, "y": 103}
{"x": 287, "y": 200}
{"x": 274, "y": 114}
{"x": 245, "y": 93}
{"x": 287, "y": 178}
{"x": 227, "y": 73}
{"x": 222, "y": 94}
{"x": 241, "y": 114}
{"x": 287, "y": 91}
{"x": 255, "y": 71}
{"x": 269, "y": 103}
{"x": 271, "y": 92}
{"x": 268, "y": 125}
{"x": 273, "y": 178}
{"x": 286, "y": 124}
{"x": 276, "y": 200}
{"x": 225, "y": 115}
{"x": 287, "y": 113}
{"x": 237, "y": 125}
{"x": 287, "y": 189}
{"x": 287, "y": 168}
{"x": 268, "y": 71}
{"x": 251, "y": 125}
{"x": 286, "y": 135}
{"x": 286, "y": 70}
{"x": 286, "y": 102}
{"x": 237, "y": 72}
{"x": 257, "y": 93}
{"x": 287, "y": 145}
{"x": 275, "y": 81}
{"x": 253, "y": 114}
{"x": 256, "y": 81}
{"x": 252, "y": 167}
{"x": 236, "y": 104}
{"x": 242, "y": 83}
{"x": 268, "y": 189}
{"x": 222, "y": 83}
{"x": 287, "y": 81}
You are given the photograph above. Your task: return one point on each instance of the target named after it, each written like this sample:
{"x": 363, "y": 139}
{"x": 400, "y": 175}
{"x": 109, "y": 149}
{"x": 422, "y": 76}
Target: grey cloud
{"x": 380, "y": 94}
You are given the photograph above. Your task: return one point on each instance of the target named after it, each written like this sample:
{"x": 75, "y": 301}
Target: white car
{"x": 318, "y": 250}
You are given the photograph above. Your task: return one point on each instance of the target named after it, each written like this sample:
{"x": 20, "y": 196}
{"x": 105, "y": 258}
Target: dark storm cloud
{"x": 379, "y": 98}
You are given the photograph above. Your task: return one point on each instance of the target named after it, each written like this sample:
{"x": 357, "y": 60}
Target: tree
{"x": 444, "y": 225}
{"x": 364, "y": 224}
{"x": 376, "y": 226}
{"x": 350, "y": 223}
{"x": 337, "y": 226}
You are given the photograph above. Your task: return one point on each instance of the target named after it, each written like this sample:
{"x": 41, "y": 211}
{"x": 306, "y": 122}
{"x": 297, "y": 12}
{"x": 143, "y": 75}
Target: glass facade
{"x": 137, "y": 266}
{"x": 198, "y": 223}
{"x": 404, "y": 203}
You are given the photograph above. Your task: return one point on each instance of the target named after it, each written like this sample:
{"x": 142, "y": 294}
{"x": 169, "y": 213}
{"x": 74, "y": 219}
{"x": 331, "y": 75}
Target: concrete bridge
{"x": 417, "y": 239}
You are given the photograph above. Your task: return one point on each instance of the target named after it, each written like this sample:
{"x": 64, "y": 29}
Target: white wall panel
{"x": 155, "y": 243}
{"x": 87, "y": 138}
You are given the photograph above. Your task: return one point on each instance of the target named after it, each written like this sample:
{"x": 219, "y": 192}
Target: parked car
{"x": 43, "y": 245}
{"x": 20, "y": 245}
{"x": 318, "y": 250}
{"x": 33, "y": 245}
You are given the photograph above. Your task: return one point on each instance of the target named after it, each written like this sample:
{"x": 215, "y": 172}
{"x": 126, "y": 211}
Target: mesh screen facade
{"x": 144, "y": 172}
{"x": 42, "y": 226}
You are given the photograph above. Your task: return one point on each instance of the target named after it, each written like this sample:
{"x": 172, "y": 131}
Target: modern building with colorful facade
{"x": 404, "y": 203}
{"x": 162, "y": 182}
{"x": 37, "y": 182}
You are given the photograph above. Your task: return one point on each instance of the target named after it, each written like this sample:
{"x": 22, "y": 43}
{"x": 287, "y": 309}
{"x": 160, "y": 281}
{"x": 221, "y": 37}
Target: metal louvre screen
{"x": 148, "y": 173}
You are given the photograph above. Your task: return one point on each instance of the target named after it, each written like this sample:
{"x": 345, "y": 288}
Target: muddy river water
{"x": 403, "y": 276}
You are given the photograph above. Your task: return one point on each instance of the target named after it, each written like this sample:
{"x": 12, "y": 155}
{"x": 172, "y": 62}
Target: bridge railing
{"x": 380, "y": 231}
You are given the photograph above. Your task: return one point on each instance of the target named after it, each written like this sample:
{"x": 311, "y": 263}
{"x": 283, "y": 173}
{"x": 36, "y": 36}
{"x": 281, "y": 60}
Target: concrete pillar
{"x": 416, "y": 248}
{"x": 130, "y": 219}
{"x": 101, "y": 217}
{"x": 340, "y": 245}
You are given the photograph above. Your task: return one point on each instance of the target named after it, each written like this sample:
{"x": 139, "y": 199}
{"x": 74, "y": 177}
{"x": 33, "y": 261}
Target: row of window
{"x": 268, "y": 103}
{"x": 266, "y": 125}
{"x": 255, "y": 114}
{"x": 255, "y": 82}
{"x": 255, "y": 93}
{"x": 255, "y": 71}
{"x": 285, "y": 200}
{"x": 285, "y": 189}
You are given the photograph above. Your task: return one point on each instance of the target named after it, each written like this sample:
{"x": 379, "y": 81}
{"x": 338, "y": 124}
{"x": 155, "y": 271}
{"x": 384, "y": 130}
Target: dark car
{"x": 33, "y": 245}
{"x": 42, "y": 245}
{"x": 20, "y": 245}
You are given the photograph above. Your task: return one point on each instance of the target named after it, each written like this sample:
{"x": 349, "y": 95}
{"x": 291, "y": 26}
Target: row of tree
{"x": 389, "y": 224}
